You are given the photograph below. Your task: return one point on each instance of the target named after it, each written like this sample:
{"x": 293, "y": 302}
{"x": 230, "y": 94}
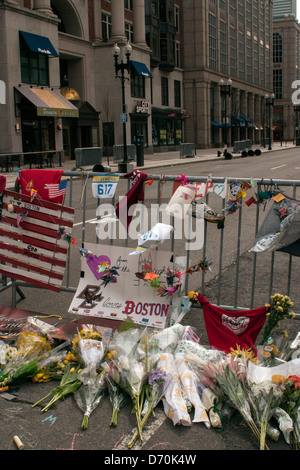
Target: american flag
{"x": 31, "y": 247}
{"x": 58, "y": 189}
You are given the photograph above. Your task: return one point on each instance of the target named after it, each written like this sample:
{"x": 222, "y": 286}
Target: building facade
{"x": 286, "y": 76}
{"x": 284, "y": 7}
{"x": 226, "y": 40}
{"x": 61, "y": 88}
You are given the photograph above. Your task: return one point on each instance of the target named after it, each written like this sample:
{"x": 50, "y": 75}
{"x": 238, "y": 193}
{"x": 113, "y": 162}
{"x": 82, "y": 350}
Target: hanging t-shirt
{"x": 38, "y": 180}
{"x": 134, "y": 195}
{"x": 228, "y": 328}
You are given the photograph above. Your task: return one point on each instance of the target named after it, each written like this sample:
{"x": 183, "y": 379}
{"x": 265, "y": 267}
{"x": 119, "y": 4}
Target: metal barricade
{"x": 234, "y": 266}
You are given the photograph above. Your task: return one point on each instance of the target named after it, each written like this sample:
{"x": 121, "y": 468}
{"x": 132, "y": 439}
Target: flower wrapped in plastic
{"x": 228, "y": 381}
{"x": 279, "y": 310}
{"x": 158, "y": 380}
{"x": 130, "y": 374}
{"x": 264, "y": 398}
{"x": 30, "y": 348}
{"x": 69, "y": 384}
{"x": 131, "y": 364}
{"x": 291, "y": 405}
{"x": 89, "y": 395}
{"x": 118, "y": 397}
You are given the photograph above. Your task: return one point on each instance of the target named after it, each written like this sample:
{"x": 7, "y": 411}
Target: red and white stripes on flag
{"x": 57, "y": 189}
{"x": 31, "y": 248}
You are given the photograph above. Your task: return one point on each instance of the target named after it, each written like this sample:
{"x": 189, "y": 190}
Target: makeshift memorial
{"x": 69, "y": 384}
{"x": 39, "y": 180}
{"x": 228, "y": 328}
{"x": 158, "y": 381}
{"x": 118, "y": 398}
{"x": 174, "y": 403}
{"x": 135, "y": 194}
{"x": 149, "y": 240}
{"x": 131, "y": 365}
{"x": 280, "y": 229}
{"x": 291, "y": 405}
{"x": 30, "y": 347}
{"x": 264, "y": 398}
{"x": 278, "y": 310}
{"x": 90, "y": 394}
{"x": 228, "y": 381}
{"x": 32, "y": 246}
{"x": 181, "y": 200}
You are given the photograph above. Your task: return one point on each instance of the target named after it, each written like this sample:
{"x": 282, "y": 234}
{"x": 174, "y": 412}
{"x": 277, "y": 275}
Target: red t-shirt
{"x": 135, "y": 194}
{"x": 37, "y": 180}
{"x": 229, "y": 328}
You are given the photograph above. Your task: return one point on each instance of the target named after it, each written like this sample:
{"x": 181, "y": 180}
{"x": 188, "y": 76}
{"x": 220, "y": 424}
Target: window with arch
{"x": 277, "y": 48}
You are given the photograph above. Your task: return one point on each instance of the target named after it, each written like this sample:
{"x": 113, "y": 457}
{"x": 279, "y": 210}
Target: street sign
{"x": 124, "y": 117}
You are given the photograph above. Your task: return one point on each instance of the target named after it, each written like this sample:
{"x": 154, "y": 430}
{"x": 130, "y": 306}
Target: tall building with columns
{"x": 61, "y": 89}
{"x": 226, "y": 40}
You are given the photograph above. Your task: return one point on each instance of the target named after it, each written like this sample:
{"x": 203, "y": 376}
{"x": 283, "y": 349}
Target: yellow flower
{"x": 191, "y": 294}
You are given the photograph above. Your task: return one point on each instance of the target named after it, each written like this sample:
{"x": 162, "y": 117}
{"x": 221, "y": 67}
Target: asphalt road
{"x": 59, "y": 428}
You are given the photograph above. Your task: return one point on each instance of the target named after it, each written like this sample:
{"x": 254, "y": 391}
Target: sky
{"x": 298, "y": 10}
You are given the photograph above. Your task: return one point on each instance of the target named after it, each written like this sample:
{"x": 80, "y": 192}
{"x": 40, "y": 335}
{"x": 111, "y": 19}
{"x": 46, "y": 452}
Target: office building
{"x": 284, "y": 7}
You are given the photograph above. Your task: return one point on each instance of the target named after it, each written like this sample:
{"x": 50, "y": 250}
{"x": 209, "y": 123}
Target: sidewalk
{"x": 157, "y": 160}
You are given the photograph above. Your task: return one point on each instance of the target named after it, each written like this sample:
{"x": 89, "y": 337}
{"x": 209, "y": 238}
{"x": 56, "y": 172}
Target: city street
{"x": 59, "y": 428}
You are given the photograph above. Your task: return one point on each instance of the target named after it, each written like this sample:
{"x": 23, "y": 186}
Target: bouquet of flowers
{"x": 228, "y": 381}
{"x": 158, "y": 381}
{"x": 118, "y": 398}
{"x": 131, "y": 365}
{"x": 279, "y": 310}
{"x": 130, "y": 374}
{"x": 69, "y": 384}
{"x": 89, "y": 395}
{"x": 264, "y": 398}
{"x": 29, "y": 348}
{"x": 291, "y": 404}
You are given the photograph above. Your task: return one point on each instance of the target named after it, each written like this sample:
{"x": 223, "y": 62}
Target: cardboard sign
{"x": 129, "y": 295}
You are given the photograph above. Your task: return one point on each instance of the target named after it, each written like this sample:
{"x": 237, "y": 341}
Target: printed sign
{"x": 104, "y": 186}
{"x": 130, "y": 296}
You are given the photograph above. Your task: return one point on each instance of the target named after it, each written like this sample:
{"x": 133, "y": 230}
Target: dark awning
{"x": 216, "y": 124}
{"x": 49, "y": 103}
{"x": 246, "y": 119}
{"x": 40, "y": 44}
{"x": 141, "y": 68}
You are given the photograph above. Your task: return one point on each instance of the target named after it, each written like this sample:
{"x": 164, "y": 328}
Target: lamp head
{"x": 116, "y": 50}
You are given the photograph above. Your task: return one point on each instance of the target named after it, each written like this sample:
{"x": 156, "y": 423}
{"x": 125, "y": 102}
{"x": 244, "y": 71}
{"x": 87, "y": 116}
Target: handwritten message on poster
{"x": 128, "y": 296}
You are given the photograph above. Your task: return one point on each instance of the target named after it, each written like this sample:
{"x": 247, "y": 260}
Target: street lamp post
{"x": 225, "y": 89}
{"x": 121, "y": 66}
{"x": 270, "y": 104}
{"x": 296, "y": 111}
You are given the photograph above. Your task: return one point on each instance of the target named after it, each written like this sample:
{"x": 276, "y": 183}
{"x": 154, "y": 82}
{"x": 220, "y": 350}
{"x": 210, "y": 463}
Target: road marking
{"x": 276, "y": 167}
{"x": 148, "y": 432}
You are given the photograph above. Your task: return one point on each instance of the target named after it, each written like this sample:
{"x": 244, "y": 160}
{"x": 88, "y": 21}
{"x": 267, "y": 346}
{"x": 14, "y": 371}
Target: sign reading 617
{"x": 104, "y": 186}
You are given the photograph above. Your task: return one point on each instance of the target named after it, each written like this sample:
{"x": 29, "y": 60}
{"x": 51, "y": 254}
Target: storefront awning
{"x": 216, "y": 124}
{"x": 39, "y": 44}
{"x": 49, "y": 103}
{"x": 246, "y": 119}
{"x": 141, "y": 68}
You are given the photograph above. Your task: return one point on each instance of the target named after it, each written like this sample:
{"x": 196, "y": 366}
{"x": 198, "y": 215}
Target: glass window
{"x": 164, "y": 91}
{"x": 34, "y": 66}
{"x": 129, "y": 31}
{"x": 137, "y": 84}
{"x": 277, "y": 48}
{"x": 177, "y": 93}
{"x": 106, "y": 26}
